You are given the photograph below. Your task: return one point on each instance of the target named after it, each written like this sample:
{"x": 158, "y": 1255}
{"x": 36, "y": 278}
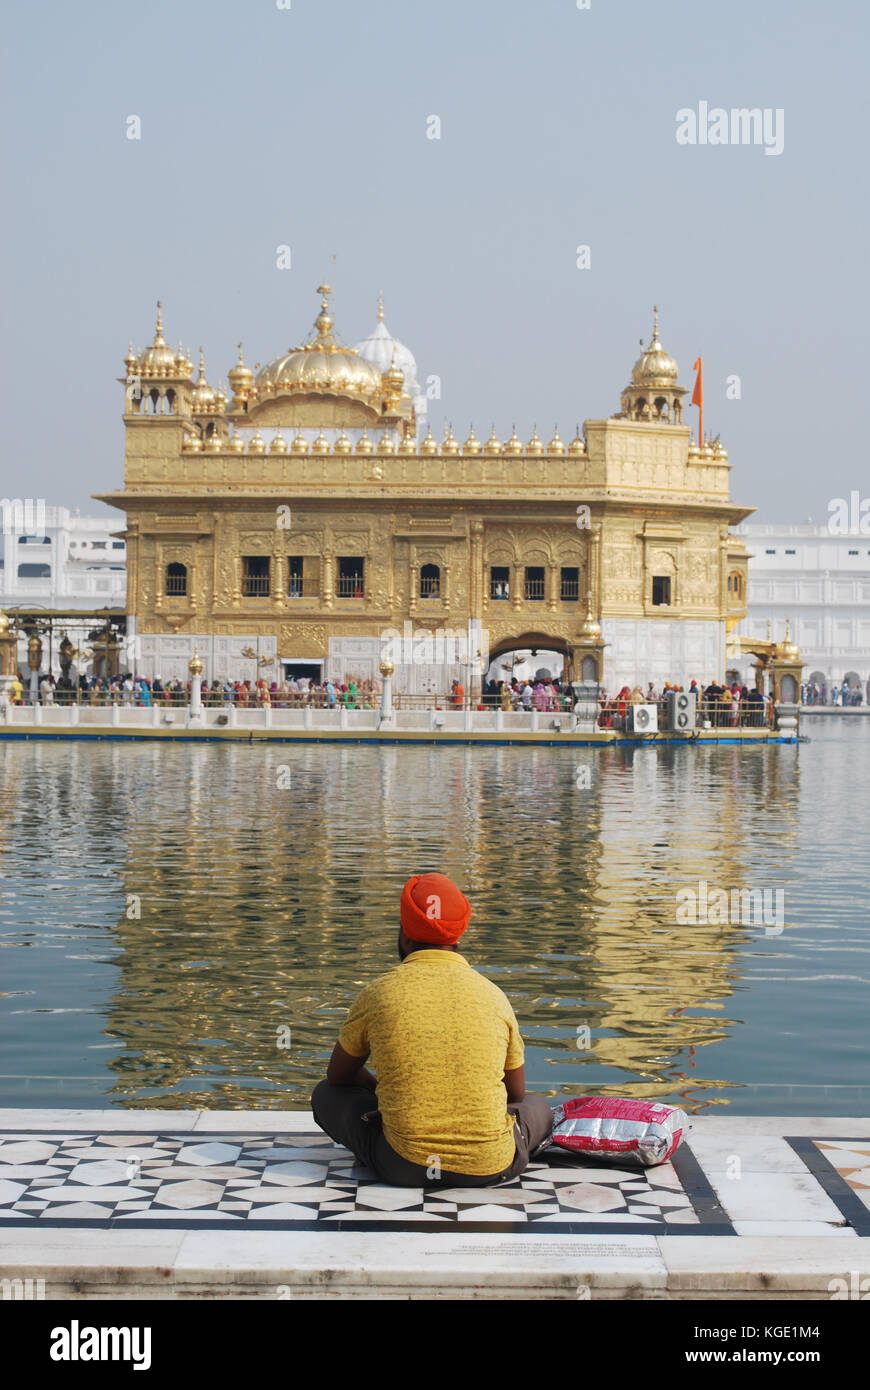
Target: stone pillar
{"x": 8, "y": 658}
{"x": 195, "y": 668}
{"x": 517, "y": 588}
{"x": 327, "y": 574}
{"x": 413, "y": 579}
{"x": 386, "y": 669}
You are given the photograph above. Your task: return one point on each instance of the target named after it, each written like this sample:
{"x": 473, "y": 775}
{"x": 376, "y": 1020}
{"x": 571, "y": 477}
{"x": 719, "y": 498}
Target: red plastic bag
{"x": 614, "y": 1130}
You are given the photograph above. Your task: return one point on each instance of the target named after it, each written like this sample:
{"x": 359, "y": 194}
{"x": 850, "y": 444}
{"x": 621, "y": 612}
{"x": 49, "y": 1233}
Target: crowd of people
{"x": 720, "y": 704}
{"x": 844, "y": 695}
{"x": 130, "y": 689}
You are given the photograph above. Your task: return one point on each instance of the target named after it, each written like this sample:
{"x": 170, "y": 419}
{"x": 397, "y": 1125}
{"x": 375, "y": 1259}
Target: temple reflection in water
{"x": 239, "y": 909}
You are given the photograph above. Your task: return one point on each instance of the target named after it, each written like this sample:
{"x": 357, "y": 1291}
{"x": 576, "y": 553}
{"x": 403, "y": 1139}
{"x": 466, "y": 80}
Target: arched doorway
{"x": 527, "y": 653}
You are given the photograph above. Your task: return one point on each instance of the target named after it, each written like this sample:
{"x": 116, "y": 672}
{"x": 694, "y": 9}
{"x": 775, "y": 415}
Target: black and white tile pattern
{"x": 303, "y": 1181}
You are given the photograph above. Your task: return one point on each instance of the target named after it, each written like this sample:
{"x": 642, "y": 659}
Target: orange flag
{"x": 698, "y": 398}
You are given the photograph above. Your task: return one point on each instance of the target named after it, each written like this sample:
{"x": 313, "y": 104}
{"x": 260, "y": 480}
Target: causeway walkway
{"x": 261, "y": 1204}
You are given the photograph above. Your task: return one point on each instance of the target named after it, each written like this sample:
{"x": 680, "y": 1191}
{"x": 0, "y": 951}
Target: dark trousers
{"x": 350, "y": 1116}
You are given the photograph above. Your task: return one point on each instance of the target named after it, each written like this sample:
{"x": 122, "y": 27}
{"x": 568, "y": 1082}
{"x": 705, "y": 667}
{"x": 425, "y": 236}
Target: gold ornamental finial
{"x": 158, "y": 337}
{"x": 655, "y": 323}
{"x": 195, "y": 666}
{"x": 201, "y": 365}
{"x": 380, "y": 306}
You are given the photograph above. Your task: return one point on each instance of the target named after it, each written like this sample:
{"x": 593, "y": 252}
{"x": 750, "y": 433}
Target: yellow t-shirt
{"x": 440, "y": 1037}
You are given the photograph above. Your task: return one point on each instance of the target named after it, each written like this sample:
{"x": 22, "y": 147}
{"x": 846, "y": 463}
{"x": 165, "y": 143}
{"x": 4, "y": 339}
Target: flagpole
{"x": 698, "y": 398}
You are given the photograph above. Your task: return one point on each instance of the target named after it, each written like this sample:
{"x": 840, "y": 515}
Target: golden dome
{"x": 299, "y": 445}
{"x": 364, "y": 445}
{"x": 655, "y": 367}
{"x": 385, "y": 444}
{"x": 706, "y": 452}
{"x": 4, "y": 622}
{"x": 407, "y": 444}
{"x": 131, "y": 361}
{"x": 278, "y": 444}
{"x": 321, "y": 444}
{"x": 203, "y": 397}
{"x": 535, "y": 447}
{"x": 192, "y": 443}
{"x": 158, "y": 359}
{"x": 236, "y": 445}
{"x": 321, "y": 366}
{"x": 386, "y": 667}
{"x": 555, "y": 448}
{"x": 493, "y": 445}
{"x": 240, "y": 377}
{"x": 257, "y": 445}
{"x": 180, "y": 362}
{"x": 514, "y": 445}
{"x": 342, "y": 445}
{"x": 450, "y": 444}
{"x": 214, "y": 444}
{"x": 195, "y": 666}
{"x": 472, "y": 444}
{"x": 694, "y": 451}
{"x": 428, "y": 445}
{"x": 577, "y": 445}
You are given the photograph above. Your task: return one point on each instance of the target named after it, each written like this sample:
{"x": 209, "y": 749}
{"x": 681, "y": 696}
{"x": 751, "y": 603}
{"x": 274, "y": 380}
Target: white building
{"x": 820, "y": 581}
{"x": 58, "y": 561}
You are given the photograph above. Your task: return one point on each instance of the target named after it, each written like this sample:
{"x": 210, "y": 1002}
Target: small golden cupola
{"x": 158, "y": 360}
{"x": 203, "y": 400}
{"x": 241, "y": 380}
{"x": 653, "y": 394}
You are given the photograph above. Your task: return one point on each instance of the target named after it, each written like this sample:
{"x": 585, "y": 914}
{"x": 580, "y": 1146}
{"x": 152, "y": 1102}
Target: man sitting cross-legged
{"x": 448, "y": 1105}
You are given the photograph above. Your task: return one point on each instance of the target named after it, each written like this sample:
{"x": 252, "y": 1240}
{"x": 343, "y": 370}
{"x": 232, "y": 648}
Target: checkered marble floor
{"x": 303, "y": 1181}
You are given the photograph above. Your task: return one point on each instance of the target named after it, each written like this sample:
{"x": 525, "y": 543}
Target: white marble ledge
{"x": 438, "y": 1260}
{"x": 765, "y": 1263}
{"x": 810, "y": 1126}
{"x": 100, "y": 1121}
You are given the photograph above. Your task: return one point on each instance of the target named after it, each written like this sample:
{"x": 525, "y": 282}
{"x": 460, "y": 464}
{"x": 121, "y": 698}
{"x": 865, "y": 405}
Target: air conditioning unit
{"x": 642, "y": 719}
{"x": 682, "y": 710}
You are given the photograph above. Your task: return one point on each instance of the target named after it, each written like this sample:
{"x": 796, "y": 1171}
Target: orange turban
{"x": 434, "y": 910}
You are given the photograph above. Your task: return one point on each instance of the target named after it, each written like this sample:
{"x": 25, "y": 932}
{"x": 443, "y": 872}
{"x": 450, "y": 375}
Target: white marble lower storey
{"x": 108, "y": 1204}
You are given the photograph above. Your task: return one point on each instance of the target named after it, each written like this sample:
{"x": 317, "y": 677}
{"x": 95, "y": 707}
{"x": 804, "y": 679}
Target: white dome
{"x": 381, "y": 349}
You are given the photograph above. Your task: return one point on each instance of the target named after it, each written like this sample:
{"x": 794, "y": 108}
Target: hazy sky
{"x": 307, "y": 127}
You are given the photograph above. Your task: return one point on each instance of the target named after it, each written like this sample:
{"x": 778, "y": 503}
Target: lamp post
{"x": 195, "y": 668}
{"x": 386, "y": 669}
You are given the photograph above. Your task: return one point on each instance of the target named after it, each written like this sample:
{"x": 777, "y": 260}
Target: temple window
{"x": 296, "y": 576}
{"x": 661, "y": 590}
{"x": 351, "y": 572}
{"x": 255, "y": 576}
{"x": 570, "y": 586}
{"x": 176, "y": 579}
{"x": 534, "y": 588}
{"x": 34, "y": 571}
{"x": 499, "y": 582}
{"x": 430, "y": 581}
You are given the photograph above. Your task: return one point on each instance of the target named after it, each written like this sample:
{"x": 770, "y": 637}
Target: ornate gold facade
{"x": 242, "y": 522}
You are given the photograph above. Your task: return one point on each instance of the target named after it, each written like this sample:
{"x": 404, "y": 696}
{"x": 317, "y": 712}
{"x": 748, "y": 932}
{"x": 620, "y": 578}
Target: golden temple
{"x": 290, "y": 525}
